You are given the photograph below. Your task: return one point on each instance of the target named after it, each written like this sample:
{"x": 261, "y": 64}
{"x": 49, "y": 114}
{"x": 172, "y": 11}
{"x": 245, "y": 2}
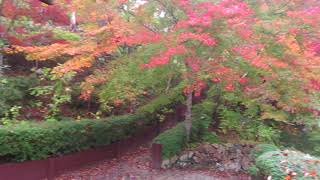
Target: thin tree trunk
{"x": 1, "y": 64}
{"x": 73, "y": 21}
{"x": 169, "y": 83}
{"x": 188, "y": 120}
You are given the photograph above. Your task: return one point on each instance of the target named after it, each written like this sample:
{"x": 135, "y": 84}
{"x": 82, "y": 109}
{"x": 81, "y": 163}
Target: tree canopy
{"x": 254, "y": 53}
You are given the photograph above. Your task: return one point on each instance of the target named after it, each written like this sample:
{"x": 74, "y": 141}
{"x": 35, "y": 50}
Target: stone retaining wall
{"x": 220, "y": 157}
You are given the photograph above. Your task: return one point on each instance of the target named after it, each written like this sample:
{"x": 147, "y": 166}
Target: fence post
{"x": 51, "y": 169}
{"x": 156, "y": 155}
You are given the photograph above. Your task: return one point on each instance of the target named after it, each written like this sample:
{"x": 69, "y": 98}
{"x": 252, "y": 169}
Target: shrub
{"x": 13, "y": 90}
{"x": 313, "y": 140}
{"x": 253, "y": 171}
{"x": 281, "y": 164}
{"x": 172, "y": 140}
{"x": 210, "y": 137}
{"x": 31, "y": 141}
{"x": 263, "y": 148}
{"x": 305, "y": 141}
{"x": 202, "y": 114}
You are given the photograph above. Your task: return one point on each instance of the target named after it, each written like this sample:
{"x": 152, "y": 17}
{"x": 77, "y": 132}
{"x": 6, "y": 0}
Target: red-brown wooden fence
{"x": 52, "y": 167}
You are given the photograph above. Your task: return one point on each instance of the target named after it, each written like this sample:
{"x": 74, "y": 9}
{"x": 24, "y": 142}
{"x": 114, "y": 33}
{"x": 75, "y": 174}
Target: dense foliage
{"x": 31, "y": 141}
{"x": 14, "y": 90}
{"x": 246, "y": 69}
{"x": 175, "y": 139}
{"x": 172, "y": 141}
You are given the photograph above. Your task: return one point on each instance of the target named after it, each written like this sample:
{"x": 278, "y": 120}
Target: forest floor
{"x": 136, "y": 166}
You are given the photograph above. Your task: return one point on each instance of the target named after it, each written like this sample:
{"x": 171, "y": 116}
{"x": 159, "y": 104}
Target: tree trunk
{"x": 188, "y": 120}
{"x": 73, "y": 22}
{"x": 1, "y": 64}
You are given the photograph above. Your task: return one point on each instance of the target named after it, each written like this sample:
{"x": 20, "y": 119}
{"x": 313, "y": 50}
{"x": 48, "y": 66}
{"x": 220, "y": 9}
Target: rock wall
{"x": 220, "y": 157}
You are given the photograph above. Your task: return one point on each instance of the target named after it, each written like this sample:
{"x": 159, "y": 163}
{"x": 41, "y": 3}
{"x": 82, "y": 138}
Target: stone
{"x": 174, "y": 159}
{"x": 165, "y": 164}
{"x": 221, "y": 149}
{"x": 246, "y": 149}
{"x": 196, "y": 159}
{"x": 228, "y": 145}
{"x": 184, "y": 157}
{"x": 237, "y": 146}
{"x": 215, "y": 159}
{"x": 203, "y": 148}
{"x": 199, "y": 154}
{"x": 209, "y": 149}
{"x": 217, "y": 146}
{"x": 232, "y": 166}
{"x": 245, "y": 163}
{"x": 219, "y": 167}
{"x": 180, "y": 164}
{"x": 183, "y": 164}
{"x": 190, "y": 154}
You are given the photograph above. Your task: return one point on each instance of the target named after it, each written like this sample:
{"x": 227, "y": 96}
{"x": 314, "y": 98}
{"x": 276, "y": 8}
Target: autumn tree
{"x": 29, "y": 23}
{"x": 257, "y": 49}
{"x": 22, "y": 22}
{"x": 230, "y": 43}
{"x": 101, "y": 34}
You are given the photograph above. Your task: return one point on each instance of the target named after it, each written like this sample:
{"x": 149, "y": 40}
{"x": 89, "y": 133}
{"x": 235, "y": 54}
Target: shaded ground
{"x": 136, "y": 166}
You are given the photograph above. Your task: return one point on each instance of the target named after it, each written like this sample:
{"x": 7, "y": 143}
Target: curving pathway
{"x": 136, "y": 166}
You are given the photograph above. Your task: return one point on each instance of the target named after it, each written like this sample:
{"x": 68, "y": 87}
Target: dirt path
{"x": 136, "y": 166}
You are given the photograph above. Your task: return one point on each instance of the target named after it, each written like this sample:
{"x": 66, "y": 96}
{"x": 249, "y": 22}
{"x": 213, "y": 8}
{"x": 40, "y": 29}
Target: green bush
{"x": 31, "y": 141}
{"x": 307, "y": 142}
{"x": 172, "y": 140}
{"x": 313, "y": 141}
{"x": 263, "y": 148}
{"x": 253, "y": 171}
{"x": 13, "y": 90}
{"x": 279, "y": 164}
{"x": 210, "y": 137}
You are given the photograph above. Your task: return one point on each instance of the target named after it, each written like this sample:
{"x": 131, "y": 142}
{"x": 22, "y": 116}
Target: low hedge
{"x": 33, "y": 141}
{"x": 285, "y": 164}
